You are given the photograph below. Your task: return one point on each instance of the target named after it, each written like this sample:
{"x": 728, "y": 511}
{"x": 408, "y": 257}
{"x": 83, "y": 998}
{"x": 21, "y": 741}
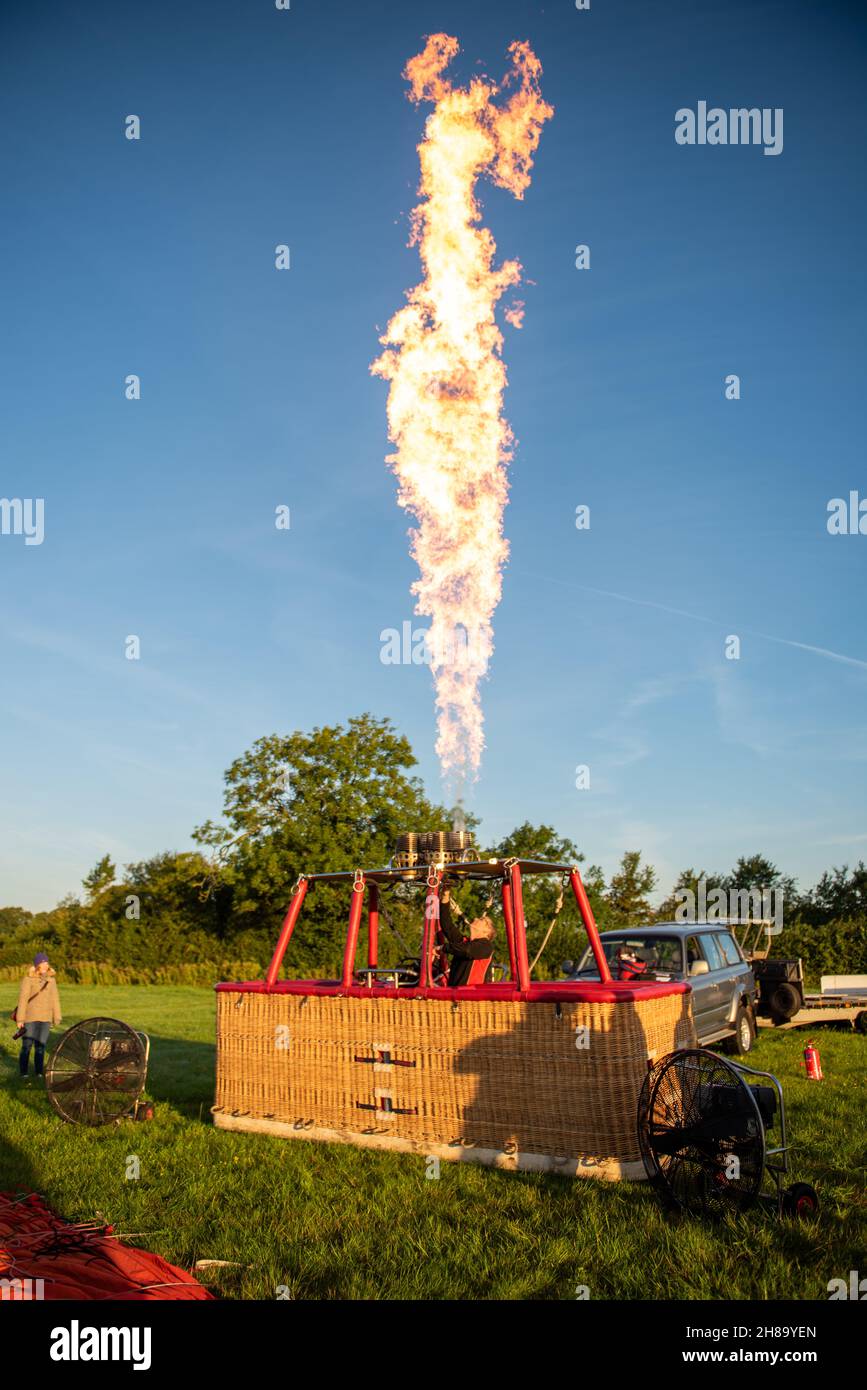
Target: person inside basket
{"x": 38, "y": 1009}
{"x": 470, "y": 955}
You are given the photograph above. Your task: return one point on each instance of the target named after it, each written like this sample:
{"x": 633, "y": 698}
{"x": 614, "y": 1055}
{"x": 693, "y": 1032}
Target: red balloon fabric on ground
{"x": 80, "y": 1261}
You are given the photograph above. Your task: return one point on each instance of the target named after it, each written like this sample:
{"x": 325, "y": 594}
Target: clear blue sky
{"x": 707, "y": 515}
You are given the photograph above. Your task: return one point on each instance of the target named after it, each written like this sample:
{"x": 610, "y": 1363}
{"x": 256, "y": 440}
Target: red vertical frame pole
{"x": 431, "y": 920}
{"x": 590, "y": 926}
{"x": 509, "y": 920}
{"x": 522, "y": 960}
{"x": 351, "y": 948}
{"x": 286, "y": 931}
{"x": 372, "y": 926}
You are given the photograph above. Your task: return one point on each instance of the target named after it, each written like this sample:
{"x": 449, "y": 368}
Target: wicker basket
{"x": 546, "y": 1083}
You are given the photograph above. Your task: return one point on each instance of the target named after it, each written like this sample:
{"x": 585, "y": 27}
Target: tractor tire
{"x": 784, "y": 1001}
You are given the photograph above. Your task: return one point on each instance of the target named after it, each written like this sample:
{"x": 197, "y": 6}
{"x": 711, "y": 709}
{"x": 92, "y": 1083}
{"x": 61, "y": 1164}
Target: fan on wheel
{"x": 702, "y": 1133}
{"x": 97, "y": 1072}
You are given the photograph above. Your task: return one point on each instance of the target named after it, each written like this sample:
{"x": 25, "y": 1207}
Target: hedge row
{"x": 91, "y": 972}
{"x": 835, "y": 948}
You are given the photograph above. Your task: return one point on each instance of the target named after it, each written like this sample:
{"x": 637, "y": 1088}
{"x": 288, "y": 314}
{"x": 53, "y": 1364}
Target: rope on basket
{"x": 557, "y": 910}
{"x": 394, "y": 931}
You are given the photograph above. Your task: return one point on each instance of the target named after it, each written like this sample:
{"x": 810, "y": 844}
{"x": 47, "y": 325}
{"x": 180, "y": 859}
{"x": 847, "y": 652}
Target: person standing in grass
{"x": 38, "y": 1009}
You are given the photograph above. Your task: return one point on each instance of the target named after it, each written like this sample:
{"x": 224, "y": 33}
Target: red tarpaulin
{"x": 78, "y": 1261}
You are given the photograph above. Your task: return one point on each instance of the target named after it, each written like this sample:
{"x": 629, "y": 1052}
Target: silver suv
{"x": 704, "y": 954}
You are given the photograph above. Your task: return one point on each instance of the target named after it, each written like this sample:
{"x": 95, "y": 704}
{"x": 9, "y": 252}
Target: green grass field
{"x": 335, "y": 1222}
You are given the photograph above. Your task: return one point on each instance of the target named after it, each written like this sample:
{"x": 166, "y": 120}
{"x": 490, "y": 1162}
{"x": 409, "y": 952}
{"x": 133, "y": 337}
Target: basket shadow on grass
{"x": 181, "y": 1074}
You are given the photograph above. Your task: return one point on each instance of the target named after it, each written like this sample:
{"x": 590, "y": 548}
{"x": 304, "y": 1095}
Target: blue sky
{"x": 708, "y": 516}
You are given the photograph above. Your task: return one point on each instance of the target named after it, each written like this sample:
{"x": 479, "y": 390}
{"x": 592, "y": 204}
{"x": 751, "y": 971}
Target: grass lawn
{"x": 335, "y": 1222}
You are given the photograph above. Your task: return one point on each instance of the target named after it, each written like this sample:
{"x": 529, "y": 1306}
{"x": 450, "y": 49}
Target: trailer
{"x": 842, "y": 999}
{"x": 782, "y": 998}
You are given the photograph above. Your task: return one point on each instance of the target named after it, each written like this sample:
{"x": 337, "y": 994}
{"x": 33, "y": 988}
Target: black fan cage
{"x": 97, "y": 1072}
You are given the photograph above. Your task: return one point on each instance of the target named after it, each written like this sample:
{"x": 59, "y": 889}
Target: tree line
{"x": 337, "y": 798}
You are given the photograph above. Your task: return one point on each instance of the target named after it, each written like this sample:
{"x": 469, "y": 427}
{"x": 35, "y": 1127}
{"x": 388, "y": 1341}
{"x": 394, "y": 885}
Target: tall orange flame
{"x": 443, "y": 359}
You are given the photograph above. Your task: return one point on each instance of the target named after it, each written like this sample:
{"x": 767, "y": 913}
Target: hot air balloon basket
{"x": 544, "y": 1083}
{"x": 519, "y": 1074}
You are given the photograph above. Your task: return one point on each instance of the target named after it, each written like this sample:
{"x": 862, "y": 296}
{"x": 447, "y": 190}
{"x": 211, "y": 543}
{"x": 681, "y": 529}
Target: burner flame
{"x": 442, "y": 357}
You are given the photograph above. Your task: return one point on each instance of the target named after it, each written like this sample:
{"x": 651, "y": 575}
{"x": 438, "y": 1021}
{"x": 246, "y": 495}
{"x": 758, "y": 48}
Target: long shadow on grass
{"x": 181, "y": 1073}
{"x": 16, "y": 1171}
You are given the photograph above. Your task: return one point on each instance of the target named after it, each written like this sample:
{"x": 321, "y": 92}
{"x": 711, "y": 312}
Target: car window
{"x": 728, "y": 946}
{"x": 631, "y": 957}
{"x": 713, "y": 955}
{"x": 693, "y": 951}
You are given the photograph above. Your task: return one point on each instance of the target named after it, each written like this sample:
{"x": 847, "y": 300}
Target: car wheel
{"x": 744, "y": 1033}
{"x": 784, "y": 1002}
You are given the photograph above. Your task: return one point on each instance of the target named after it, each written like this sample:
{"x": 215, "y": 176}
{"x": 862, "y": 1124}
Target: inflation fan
{"x": 702, "y": 1130}
{"x": 97, "y": 1073}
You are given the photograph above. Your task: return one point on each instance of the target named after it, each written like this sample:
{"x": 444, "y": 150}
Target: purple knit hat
{"x": 38, "y": 959}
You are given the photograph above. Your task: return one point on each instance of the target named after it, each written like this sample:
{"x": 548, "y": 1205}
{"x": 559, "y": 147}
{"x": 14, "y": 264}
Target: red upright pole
{"x": 286, "y": 932}
{"x": 352, "y": 931}
{"x": 590, "y": 926}
{"x": 520, "y": 930}
{"x": 433, "y": 890}
{"x": 372, "y": 925}
{"x": 510, "y": 930}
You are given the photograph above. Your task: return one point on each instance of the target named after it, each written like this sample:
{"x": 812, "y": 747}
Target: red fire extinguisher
{"x": 813, "y": 1062}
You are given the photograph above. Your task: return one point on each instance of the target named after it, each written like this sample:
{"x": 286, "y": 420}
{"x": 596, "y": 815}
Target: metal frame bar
{"x": 286, "y": 931}
{"x": 522, "y": 959}
{"x": 509, "y": 921}
{"x": 351, "y": 947}
{"x": 590, "y": 926}
{"x": 510, "y": 871}
{"x": 372, "y": 926}
{"x": 425, "y": 978}
{"x": 475, "y": 869}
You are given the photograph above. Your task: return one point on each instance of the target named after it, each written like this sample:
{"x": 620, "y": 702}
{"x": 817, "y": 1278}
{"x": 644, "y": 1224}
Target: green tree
{"x": 99, "y": 879}
{"x": 753, "y": 876}
{"x": 540, "y": 894}
{"x": 839, "y": 894}
{"x": 335, "y": 798}
{"x": 626, "y": 902}
{"x": 687, "y": 880}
